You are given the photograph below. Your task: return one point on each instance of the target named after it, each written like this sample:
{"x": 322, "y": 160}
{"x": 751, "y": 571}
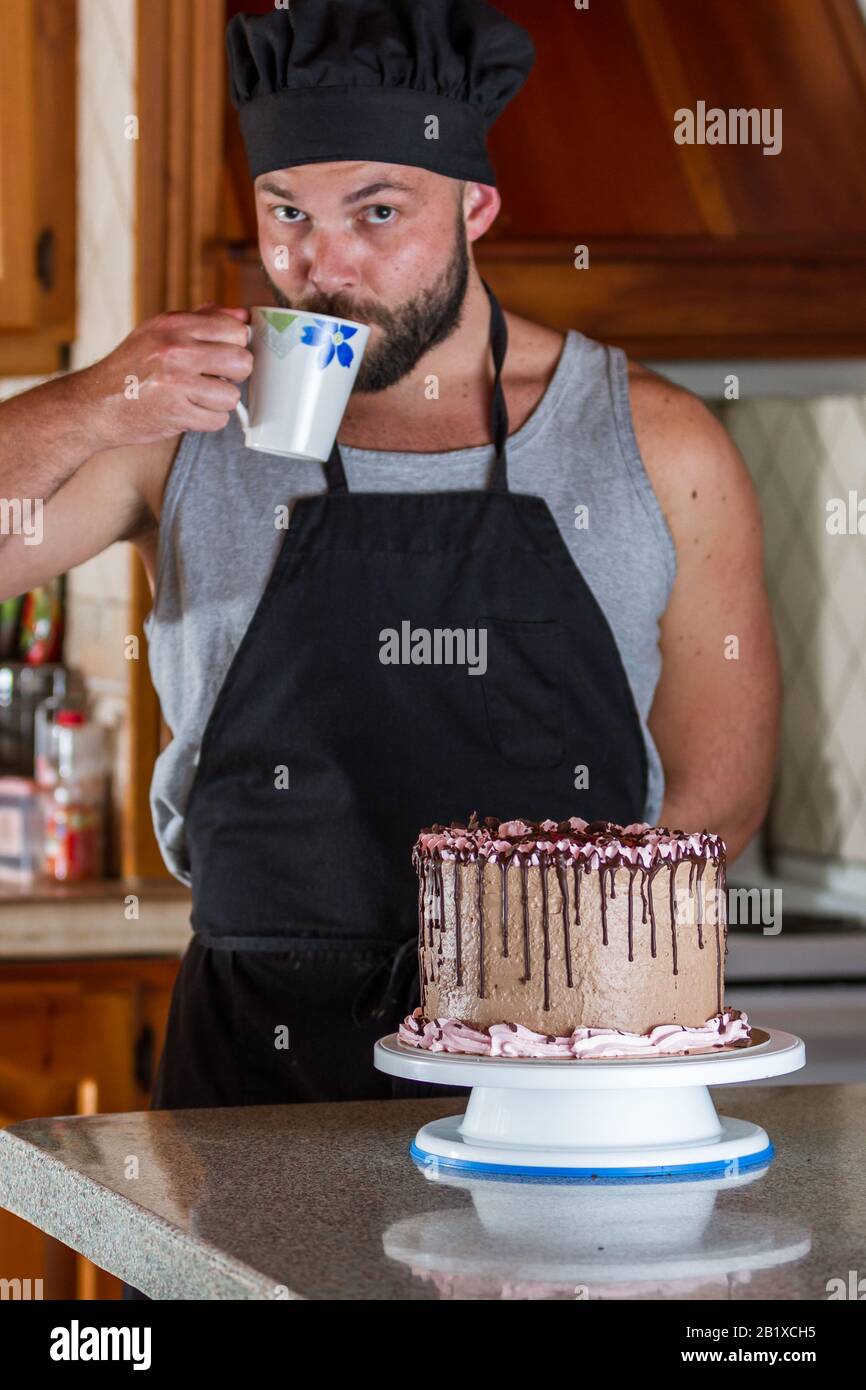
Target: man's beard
{"x": 410, "y": 331}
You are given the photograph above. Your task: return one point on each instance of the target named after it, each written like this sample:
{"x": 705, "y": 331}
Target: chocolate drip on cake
{"x": 423, "y": 889}
{"x": 524, "y": 886}
{"x": 480, "y": 902}
{"x": 631, "y": 874}
{"x": 439, "y": 920}
{"x": 503, "y": 884}
{"x": 566, "y": 930}
{"x": 545, "y": 928}
{"x": 721, "y": 912}
{"x": 458, "y": 932}
{"x": 699, "y": 906}
{"x": 673, "y": 897}
{"x": 422, "y": 897}
{"x": 649, "y": 889}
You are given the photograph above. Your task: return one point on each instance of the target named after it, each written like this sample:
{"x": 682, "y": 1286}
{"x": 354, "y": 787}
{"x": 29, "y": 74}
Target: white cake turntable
{"x": 593, "y": 1119}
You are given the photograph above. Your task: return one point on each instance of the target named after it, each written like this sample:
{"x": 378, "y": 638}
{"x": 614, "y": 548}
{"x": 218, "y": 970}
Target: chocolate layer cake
{"x": 571, "y": 940}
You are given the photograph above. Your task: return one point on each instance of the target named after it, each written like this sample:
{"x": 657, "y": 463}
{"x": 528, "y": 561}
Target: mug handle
{"x": 240, "y": 409}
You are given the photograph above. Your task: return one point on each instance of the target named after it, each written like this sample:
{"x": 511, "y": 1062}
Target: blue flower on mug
{"x": 332, "y": 341}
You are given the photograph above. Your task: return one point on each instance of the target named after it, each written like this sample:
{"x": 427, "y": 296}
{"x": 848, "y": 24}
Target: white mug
{"x": 304, "y": 371}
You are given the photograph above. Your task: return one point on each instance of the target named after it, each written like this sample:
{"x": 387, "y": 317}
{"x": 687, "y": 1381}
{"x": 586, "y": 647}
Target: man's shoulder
{"x": 692, "y": 462}
{"x": 533, "y": 348}
{"x": 659, "y": 404}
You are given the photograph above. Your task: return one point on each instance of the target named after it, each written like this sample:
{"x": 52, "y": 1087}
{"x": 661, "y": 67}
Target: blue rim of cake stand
{"x": 518, "y": 1173}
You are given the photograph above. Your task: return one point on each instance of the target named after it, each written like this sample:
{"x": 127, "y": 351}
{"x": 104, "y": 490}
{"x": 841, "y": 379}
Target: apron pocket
{"x": 523, "y": 691}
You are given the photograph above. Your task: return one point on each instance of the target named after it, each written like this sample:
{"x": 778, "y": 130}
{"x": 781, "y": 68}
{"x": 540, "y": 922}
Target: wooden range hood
{"x": 698, "y": 250}
{"x": 695, "y": 250}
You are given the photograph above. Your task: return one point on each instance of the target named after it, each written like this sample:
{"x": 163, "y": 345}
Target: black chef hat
{"x": 359, "y": 79}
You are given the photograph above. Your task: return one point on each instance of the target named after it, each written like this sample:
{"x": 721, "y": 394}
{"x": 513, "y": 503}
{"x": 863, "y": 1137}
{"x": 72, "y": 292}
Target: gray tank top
{"x": 218, "y": 540}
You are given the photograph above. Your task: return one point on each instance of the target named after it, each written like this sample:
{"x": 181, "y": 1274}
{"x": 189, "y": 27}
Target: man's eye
{"x": 292, "y": 214}
{"x": 380, "y": 214}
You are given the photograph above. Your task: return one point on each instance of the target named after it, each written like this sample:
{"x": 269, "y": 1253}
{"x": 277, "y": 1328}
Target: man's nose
{"x": 330, "y": 264}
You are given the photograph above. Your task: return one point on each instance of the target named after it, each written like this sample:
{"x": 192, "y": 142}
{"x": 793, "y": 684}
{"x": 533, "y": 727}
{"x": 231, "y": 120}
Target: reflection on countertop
{"x": 640, "y": 1240}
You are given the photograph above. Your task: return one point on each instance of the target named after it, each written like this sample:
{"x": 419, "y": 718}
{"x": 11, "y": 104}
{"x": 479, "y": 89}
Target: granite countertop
{"x": 323, "y": 1202}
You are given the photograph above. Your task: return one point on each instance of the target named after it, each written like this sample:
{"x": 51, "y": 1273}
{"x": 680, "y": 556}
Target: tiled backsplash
{"x": 802, "y": 454}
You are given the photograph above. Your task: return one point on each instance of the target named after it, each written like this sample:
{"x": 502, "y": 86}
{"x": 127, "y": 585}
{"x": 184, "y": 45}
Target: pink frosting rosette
{"x": 731, "y": 1027}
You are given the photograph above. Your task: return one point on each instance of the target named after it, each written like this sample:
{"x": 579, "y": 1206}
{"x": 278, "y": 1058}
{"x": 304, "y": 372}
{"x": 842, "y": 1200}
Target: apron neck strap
{"x": 335, "y": 473}
{"x": 498, "y": 408}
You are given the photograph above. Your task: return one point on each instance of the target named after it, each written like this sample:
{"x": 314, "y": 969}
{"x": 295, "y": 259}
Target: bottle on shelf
{"x": 67, "y": 692}
{"x": 23, "y": 689}
{"x": 73, "y": 780}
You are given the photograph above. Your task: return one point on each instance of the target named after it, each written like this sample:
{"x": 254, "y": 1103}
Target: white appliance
{"x": 809, "y": 978}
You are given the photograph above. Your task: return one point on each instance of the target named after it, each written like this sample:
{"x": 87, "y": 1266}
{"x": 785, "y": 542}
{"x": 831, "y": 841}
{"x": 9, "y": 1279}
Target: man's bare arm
{"x": 715, "y": 716}
{"x": 88, "y": 453}
{"x": 105, "y": 500}
{"x": 49, "y": 432}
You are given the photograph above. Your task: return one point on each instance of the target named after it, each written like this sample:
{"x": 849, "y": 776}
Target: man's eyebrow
{"x": 271, "y": 186}
{"x": 391, "y": 184}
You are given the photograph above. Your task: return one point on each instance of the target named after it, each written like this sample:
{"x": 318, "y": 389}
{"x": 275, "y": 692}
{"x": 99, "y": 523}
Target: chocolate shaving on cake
{"x": 598, "y": 841}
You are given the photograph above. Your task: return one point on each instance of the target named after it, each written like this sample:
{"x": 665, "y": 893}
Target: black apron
{"x": 321, "y": 761}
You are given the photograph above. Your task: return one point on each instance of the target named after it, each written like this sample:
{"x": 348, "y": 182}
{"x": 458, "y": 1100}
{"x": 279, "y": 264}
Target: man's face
{"x": 383, "y": 244}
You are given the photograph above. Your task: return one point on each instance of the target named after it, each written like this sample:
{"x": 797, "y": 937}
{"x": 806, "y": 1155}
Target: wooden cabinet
{"x": 76, "y": 1038}
{"x": 37, "y": 185}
